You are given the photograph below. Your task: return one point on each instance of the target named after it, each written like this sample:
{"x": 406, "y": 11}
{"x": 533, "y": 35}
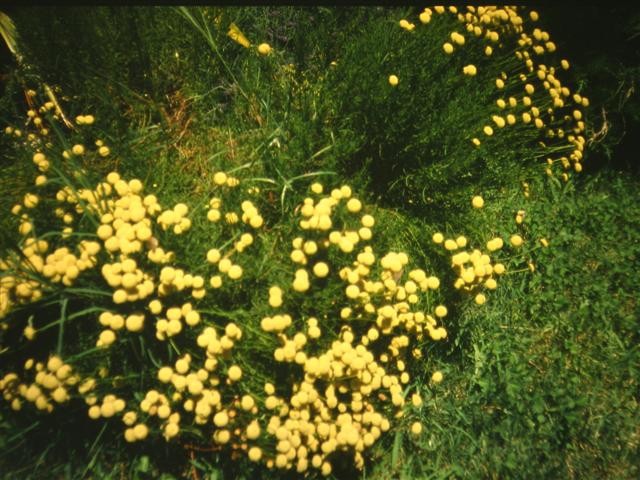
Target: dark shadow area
{"x": 602, "y": 42}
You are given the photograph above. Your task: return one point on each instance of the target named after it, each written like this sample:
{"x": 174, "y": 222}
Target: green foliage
{"x": 414, "y": 140}
{"x": 544, "y": 374}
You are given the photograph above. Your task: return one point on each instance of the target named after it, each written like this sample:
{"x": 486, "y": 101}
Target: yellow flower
{"x": 215, "y": 281}
{"x": 352, "y": 291}
{"x": 134, "y": 323}
{"x": 264, "y": 49}
{"x": 234, "y": 373}
{"x": 407, "y": 25}
{"x": 30, "y": 200}
{"x": 317, "y": 188}
{"x": 498, "y": 120}
{"x": 140, "y": 431}
{"x": 470, "y": 70}
{"x": 354, "y": 205}
{"x": 457, "y": 38}
{"x": 78, "y": 149}
{"x": 480, "y": 299}
{"x": 219, "y": 178}
{"x": 495, "y": 244}
{"x": 367, "y": 221}
{"x": 235, "y": 272}
{"x": 516, "y": 240}
{"x": 237, "y": 36}
{"x": 477, "y": 201}
{"x": 301, "y": 281}
{"x": 106, "y": 338}
{"x": 255, "y": 454}
{"x": 321, "y": 269}
{"x": 416, "y": 428}
{"x": 253, "y": 430}
{"x": 448, "y": 48}
{"x": 437, "y": 376}
{"x": 450, "y": 244}
{"x": 94, "y": 412}
{"x": 499, "y": 268}
{"x": 164, "y": 374}
{"x": 393, "y": 80}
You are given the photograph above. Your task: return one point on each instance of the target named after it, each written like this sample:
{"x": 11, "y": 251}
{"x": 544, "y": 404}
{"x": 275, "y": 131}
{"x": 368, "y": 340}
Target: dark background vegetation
{"x": 601, "y": 39}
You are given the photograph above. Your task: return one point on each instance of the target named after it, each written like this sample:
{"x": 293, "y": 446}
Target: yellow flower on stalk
{"x": 406, "y": 25}
{"x": 393, "y": 80}
{"x": 255, "y": 454}
{"x": 29, "y": 332}
{"x": 234, "y": 373}
{"x": 237, "y": 36}
{"x": 477, "y": 201}
{"x": 470, "y": 70}
{"x": 441, "y": 311}
{"x": 516, "y": 240}
{"x": 457, "y": 38}
{"x": 264, "y": 49}
{"x": 78, "y": 149}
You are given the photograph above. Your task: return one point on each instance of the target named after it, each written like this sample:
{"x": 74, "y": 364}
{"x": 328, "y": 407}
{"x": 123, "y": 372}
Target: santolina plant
{"x": 293, "y": 340}
{"x": 456, "y": 100}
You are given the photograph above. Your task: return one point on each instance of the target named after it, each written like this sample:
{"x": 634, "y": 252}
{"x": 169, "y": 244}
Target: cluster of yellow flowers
{"x": 535, "y": 97}
{"x": 50, "y": 385}
{"x": 475, "y": 268}
{"x": 340, "y": 372}
{"x": 341, "y": 397}
{"x": 20, "y": 284}
{"x": 34, "y": 119}
{"x": 339, "y": 402}
{"x": 110, "y": 406}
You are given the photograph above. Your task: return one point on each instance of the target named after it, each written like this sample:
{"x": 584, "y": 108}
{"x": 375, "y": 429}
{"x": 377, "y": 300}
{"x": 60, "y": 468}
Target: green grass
{"x": 540, "y": 382}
